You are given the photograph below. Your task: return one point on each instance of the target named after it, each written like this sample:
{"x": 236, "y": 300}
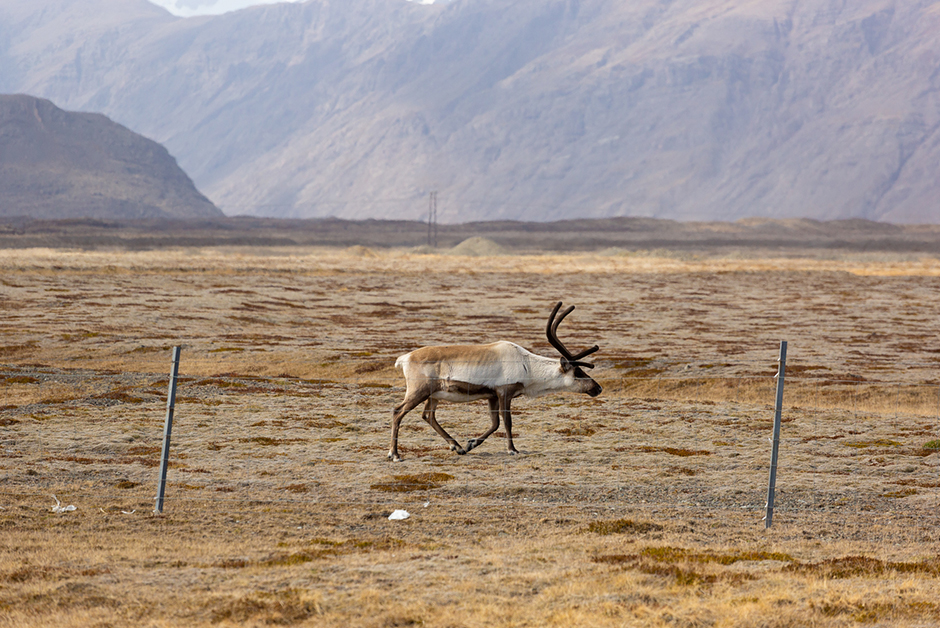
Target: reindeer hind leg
{"x": 507, "y": 422}
{"x": 430, "y": 416}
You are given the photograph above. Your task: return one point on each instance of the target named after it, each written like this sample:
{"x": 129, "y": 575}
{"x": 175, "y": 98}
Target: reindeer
{"x": 498, "y": 372}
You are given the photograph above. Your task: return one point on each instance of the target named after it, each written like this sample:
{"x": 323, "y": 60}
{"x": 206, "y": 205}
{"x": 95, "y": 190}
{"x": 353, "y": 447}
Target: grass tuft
{"x": 267, "y": 441}
{"x": 408, "y": 483}
{"x": 581, "y": 430}
{"x": 280, "y": 608}
{"x": 864, "y": 567}
{"x": 21, "y": 379}
{"x": 623, "y": 526}
{"x": 675, "y": 451}
{"x": 866, "y": 444}
{"x": 899, "y": 494}
{"x": 675, "y": 554}
{"x": 120, "y": 395}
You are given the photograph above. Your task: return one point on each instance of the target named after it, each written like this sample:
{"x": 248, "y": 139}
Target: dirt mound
{"x": 360, "y": 251}
{"x": 477, "y": 247}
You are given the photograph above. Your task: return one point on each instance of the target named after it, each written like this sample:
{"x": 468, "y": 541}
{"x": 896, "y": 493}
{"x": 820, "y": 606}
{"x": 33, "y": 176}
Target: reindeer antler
{"x": 551, "y": 330}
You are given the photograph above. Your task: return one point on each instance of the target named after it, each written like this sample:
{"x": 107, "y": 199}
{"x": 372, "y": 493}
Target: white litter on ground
{"x": 398, "y": 515}
{"x": 60, "y": 508}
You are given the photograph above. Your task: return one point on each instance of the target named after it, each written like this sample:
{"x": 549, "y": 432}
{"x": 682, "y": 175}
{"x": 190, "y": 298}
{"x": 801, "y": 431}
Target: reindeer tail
{"x": 402, "y": 361}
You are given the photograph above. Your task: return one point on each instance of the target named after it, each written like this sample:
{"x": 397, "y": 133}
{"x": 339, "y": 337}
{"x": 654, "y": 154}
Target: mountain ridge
{"x": 536, "y": 109}
{"x": 60, "y": 164}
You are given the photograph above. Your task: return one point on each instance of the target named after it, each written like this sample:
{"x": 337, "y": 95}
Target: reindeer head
{"x": 571, "y": 364}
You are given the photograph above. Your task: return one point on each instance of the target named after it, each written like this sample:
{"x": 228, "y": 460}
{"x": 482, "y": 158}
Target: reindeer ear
{"x": 566, "y": 364}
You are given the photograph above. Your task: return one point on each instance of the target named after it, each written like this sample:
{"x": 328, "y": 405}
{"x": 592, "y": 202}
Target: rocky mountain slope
{"x": 523, "y": 109}
{"x": 60, "y": 164}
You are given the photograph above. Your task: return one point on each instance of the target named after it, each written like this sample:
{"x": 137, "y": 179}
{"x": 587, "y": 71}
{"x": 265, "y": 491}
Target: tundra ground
{"x": 641, "y": 507}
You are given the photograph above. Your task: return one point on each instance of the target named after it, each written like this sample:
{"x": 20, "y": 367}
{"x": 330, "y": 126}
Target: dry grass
{"x": 639, "y": 508}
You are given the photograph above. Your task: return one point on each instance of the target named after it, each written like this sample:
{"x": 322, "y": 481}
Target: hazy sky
{"x": 187, "y": 8}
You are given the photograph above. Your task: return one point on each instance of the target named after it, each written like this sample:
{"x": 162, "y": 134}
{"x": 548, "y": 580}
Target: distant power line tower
{"x": 432, "y": 219}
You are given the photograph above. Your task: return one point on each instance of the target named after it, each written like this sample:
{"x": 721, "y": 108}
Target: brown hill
{"x": 60, "y": 164}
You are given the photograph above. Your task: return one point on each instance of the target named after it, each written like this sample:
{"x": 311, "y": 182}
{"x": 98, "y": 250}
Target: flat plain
{"x": 641, "y": 507}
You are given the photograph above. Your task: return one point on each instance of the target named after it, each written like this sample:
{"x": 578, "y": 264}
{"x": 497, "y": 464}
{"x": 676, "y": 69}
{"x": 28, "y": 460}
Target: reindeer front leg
{"x": 494, "y": 425}
{"x": 499, "y": 405}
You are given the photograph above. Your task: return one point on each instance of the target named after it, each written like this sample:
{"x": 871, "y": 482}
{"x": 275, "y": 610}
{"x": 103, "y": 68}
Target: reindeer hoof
{"x": 460, "y": 450}
{"x": 394, "y": 457}
{"x": 512, "y": 452}
{"x": 472, "y": 444}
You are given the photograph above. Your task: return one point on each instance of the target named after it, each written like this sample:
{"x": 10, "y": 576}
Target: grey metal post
{"x": 781, "y": 369}
{"x": 432, "y": 218}
{"x": 168, "y": 430}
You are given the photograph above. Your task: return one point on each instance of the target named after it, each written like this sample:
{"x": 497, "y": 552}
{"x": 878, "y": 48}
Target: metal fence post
{"x": 778, "y": 410}
{"x": 167, "y": 430}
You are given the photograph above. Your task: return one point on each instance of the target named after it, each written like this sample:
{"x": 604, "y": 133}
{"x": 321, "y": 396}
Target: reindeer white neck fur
{"x": 498, "y": 372}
